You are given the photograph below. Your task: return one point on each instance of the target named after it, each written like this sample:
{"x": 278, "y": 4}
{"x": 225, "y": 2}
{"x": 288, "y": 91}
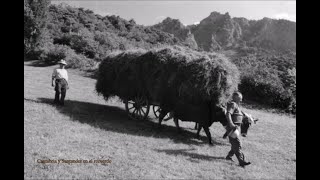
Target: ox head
{"x": 246, "y": 123}
{"x": 220, "y": 112}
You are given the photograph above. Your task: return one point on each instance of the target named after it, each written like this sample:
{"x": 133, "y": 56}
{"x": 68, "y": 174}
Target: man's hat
{"x": 62, "y": 62}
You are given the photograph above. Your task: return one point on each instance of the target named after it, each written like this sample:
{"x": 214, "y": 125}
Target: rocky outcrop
{"x": 220, "y": 31}
{"x": 175, "y": 27}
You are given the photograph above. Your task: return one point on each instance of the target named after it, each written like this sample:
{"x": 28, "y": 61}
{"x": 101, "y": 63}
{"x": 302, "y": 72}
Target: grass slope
{"x": 90, "y": 128}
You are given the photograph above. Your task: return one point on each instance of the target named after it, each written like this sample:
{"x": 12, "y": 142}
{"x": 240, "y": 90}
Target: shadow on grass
{"x": 40, "y": 63}
{"x": 115, "y": 119}
{"x": 267, "y": 108}
{"x": 192, "y": 156}
{"x": 91, "y": 74}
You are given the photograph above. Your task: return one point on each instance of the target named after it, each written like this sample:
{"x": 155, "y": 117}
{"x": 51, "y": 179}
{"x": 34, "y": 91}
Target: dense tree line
{"x": 35, "y": 16}
{"x": 74, "y": 32}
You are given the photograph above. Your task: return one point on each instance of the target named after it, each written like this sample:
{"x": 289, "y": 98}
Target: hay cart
{"x": 145, "y": 78}
{"x": 139, "y": 108}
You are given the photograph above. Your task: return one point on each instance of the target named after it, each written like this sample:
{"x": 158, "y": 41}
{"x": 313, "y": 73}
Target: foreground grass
{"x": 90, "y": 128}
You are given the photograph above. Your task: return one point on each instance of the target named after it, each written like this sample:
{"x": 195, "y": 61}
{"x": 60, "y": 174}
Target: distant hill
{"x": 220, "y": 31}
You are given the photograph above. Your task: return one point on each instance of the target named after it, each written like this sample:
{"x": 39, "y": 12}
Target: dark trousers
{"x": 236, "y": 149}
{"x": 60, "y": 88}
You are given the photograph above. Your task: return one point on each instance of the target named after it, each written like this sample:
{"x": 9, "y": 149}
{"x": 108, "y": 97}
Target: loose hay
{"x": 166, "y": 74}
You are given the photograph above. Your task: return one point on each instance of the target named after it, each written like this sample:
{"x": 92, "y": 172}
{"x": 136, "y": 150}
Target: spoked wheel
{"x": 156, "y": 111}
{"x": 138, "y": 109}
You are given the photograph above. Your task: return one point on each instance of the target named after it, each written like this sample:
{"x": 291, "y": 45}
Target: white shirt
{"x": 60, "y": 73}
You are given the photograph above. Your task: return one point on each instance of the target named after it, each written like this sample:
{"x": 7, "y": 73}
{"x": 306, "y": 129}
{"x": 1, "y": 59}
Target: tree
{"x": 35, "y": 16}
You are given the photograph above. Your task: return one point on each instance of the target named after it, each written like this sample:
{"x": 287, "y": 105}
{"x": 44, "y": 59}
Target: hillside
{"x": 263, "y": 50}
{"x": 89, "y": 128}
{"x": 94, "y": 36}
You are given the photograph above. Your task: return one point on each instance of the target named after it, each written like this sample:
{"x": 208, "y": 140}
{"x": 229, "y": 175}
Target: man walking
{"x": 234, "y": 117}
{"x": 60, "y": 77}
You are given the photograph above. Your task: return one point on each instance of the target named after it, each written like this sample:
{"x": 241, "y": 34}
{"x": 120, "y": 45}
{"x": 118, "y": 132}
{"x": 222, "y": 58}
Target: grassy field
{"x": 89, "y": 128}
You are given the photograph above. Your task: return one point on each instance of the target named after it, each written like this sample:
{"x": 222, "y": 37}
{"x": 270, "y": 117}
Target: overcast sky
{"x": 188, "y": 12}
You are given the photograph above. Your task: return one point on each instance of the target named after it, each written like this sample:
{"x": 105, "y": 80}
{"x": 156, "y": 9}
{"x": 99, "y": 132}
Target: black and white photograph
{"x": 142, "y": 89}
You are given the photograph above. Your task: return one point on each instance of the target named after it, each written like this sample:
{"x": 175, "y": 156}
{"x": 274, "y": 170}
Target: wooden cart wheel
{"x": 156, "y": 111}
{"x": 138, "y": 108}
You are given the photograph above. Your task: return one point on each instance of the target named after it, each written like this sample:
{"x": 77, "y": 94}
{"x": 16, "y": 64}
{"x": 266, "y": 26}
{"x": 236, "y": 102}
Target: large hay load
{"x": 168, "y": 74}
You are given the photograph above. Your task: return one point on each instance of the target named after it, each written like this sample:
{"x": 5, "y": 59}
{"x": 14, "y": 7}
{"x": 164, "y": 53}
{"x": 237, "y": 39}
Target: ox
{"x": 204, "y": 114}
{"x": 246, "y": 122}
{"x": 218, "y": 114}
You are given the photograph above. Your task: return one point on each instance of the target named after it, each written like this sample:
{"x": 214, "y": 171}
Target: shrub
{"x": 267, "y": 90}
{"x": 268, "y": 79}
{"x": 52, "y": 53}
{"x": 79, "y": 61}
